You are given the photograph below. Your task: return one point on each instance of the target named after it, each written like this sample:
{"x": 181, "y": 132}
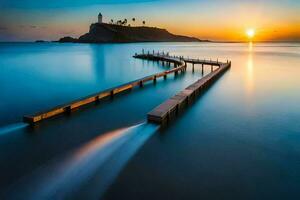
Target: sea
{"x": 239, "y": 140}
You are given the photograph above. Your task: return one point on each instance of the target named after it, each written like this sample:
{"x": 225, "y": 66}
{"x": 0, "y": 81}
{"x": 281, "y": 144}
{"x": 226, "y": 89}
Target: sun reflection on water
{"x": 249, "y": 75}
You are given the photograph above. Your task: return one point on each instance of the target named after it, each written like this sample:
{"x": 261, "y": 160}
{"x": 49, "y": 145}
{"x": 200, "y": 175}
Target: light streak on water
{"x": 12, "y": 127}
{"x": 104, "y": 156}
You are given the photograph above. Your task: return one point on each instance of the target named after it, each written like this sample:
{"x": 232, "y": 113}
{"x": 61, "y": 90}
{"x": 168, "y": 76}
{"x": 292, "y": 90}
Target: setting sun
{"x": 250, "y": 33}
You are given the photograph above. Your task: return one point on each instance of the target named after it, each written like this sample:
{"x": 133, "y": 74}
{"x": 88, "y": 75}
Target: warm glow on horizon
{"x": 247, "y": 21}
{"x": 250, "y": 33}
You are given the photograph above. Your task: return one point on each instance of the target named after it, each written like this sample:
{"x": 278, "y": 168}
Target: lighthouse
{"x": 100, "y": 18}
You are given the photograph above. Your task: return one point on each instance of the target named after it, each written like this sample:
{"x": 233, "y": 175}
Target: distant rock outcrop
{"x": 110, "y": 33}
{"x": 68, "y": 39}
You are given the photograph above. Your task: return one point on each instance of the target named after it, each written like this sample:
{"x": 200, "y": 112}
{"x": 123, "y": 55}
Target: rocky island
{"x": 117, "y": 33}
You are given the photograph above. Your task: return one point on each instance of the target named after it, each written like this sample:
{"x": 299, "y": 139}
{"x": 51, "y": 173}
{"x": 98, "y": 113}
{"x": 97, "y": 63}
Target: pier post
{"x": 165, "y": 76}
{"x": 202, "y": 70}
{"x": 154, "y": 79}
{"x": 112, "y": 94}
{"x": 141, "y": 83}
{"x": 211, "y": 68}
{"x": 193, "y": 67}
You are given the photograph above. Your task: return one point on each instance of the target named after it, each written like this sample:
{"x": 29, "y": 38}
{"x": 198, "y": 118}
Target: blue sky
{"x": 27, "y": 20}
{"x": 38, "y": 4}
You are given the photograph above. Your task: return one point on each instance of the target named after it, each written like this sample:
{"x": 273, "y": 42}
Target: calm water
{"x": 240, "y": 140}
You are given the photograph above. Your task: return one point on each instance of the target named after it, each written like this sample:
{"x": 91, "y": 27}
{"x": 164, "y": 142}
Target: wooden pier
{"x": 163, "y": 112}
{"x": 179, "y": 66}
{"x": 168, "y": 109}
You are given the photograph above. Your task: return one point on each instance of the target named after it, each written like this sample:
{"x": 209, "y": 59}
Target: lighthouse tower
{"x": 100, "y": 18}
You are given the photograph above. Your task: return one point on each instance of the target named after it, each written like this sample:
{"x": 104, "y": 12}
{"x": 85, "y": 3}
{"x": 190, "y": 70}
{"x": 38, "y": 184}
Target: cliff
{"x": 106, "y": 33}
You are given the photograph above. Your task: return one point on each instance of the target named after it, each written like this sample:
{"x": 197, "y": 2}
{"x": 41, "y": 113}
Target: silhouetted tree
{"x": 119, "y": 22}
{"x": 144, "y": 22}
{"x": 111, "y": 21}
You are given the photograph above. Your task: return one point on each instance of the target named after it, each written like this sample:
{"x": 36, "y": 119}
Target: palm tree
{"x": 133, "y": 20}
{"x": 144, "y": 22}
{"x": 112, "y": 21}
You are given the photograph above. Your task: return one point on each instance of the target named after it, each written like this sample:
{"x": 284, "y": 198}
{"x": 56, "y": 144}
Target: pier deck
{"x": 159, "y": 114}
{"x": 179, "y": 66}
{"x": 164, "y": 112}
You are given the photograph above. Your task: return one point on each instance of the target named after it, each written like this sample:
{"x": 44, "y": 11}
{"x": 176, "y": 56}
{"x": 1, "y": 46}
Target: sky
{"x": 218, "y": 20}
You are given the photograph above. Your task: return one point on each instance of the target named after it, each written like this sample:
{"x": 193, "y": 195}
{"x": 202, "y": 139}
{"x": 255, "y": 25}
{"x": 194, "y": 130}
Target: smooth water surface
{"x": 240, "y": 140}
{"x": 37, "y": 77}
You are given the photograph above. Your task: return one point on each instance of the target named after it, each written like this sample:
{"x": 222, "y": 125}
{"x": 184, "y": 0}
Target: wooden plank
{"x": 181, "y": 99}
{"x": 162, "y": 111}
{"x": 103, "y": 95}
{"x": 122, "y": 89}
{"x": 160, "y": 74}
{"x": 83, "y": 102}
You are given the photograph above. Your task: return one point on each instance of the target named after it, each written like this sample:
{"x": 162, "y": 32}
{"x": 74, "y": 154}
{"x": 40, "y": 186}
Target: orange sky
{"x": 270, "y": 23}
{"x": 220, "y": 20}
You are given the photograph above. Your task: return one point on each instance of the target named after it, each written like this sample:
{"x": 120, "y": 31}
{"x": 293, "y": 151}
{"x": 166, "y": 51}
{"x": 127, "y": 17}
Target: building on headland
{"x": 100, "y": 18}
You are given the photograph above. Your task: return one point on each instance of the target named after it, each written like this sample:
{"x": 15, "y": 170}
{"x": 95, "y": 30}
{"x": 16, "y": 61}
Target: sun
{"x": 250, "y": 33}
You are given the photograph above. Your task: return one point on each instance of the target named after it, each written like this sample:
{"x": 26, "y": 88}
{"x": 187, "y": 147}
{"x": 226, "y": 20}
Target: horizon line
{"x": 203, "y": 41}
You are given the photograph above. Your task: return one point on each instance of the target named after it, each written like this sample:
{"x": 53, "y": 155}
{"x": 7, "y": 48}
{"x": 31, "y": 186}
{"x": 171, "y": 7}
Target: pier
{"x": 168, "y": 109}
{"x": 179, "y": 66}
{"x": 163, "y": 112}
